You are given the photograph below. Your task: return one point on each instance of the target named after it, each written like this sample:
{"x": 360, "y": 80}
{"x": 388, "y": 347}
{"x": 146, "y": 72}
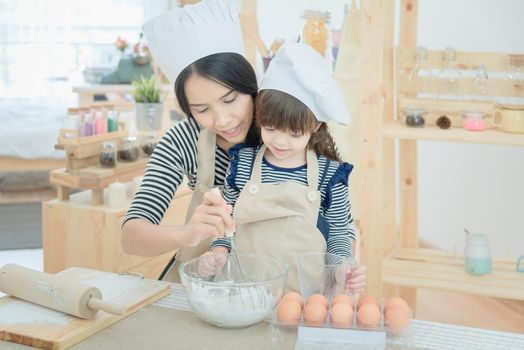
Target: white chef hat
{"x": 297, "y": 69}
{"x": 181, "y": 36}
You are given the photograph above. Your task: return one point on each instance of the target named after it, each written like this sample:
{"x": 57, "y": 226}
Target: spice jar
{"x": 474, "y": 120}
{"x": 108, "y": 154}
{"x": 148, "y": 143}
{"x": 477, "y": 255}
{"x": 128, "y": 151}
{"x": 315, "y": 32}
{"x": 414, "y": 116}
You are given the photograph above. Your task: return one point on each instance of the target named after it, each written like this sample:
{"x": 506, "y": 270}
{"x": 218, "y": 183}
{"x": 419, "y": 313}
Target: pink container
{"x": 474, "y": 120}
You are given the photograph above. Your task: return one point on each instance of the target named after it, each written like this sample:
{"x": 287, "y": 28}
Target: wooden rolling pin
{"x": 54, "y": 292}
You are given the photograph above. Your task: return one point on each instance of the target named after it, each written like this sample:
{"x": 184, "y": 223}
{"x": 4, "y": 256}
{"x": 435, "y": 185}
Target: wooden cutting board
{"x": 34, "y": 325}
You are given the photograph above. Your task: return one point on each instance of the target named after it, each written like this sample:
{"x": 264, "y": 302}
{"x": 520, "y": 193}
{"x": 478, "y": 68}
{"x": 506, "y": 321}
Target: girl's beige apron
{"x": 279, "y": 220}
{"x": 205, "y": 181}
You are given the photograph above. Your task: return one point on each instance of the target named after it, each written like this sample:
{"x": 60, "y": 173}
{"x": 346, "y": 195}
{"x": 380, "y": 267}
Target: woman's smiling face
{"x": 220, "y": 109}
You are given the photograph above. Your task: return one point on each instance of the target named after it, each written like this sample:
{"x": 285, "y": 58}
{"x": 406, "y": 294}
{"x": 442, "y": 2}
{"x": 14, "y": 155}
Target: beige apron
{"x": 205, "y": 181}
{"x": 279, "y": 220}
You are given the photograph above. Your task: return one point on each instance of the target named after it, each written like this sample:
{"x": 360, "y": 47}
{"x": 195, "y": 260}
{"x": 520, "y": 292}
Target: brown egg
{"x": 396, "y": 318}
{"x": 367, "y": 299}
{"x": 289, "y": 311}
{"x": 395, "y": 302}
{"x": 294, "y": 296}
{"x": 318, "y": 298}
{"x": 315, "y": 313}
{"x": 368, "y": 315}
{"x": 341, "y": 315}
{"x": 342, "y": 298}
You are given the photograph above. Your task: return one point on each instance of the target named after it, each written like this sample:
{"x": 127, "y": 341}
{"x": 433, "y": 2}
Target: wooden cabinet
{"x": 77, "y": 233}
{"x": 392, "y": 252}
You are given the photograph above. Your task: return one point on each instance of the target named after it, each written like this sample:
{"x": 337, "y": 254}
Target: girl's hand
{"x": 356, "y": 278}
{"x": 353, "y": 277}
{"x": 211, "y": 262}
{"x": 211, "y": 219}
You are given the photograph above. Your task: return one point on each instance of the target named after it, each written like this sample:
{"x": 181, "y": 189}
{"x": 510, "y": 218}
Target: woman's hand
{"x": 211, "y": 219}
{"x": 212, "y": 262}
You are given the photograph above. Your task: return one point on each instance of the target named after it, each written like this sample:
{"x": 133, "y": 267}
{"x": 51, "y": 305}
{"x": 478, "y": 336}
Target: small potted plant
{"x": 149, "y": 107}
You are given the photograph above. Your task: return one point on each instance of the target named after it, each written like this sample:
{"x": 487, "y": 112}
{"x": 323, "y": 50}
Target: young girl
{"x": 290, "y": 195}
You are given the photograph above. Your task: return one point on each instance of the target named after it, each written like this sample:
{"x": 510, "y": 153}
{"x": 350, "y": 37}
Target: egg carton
{"x": 382, "y": 326}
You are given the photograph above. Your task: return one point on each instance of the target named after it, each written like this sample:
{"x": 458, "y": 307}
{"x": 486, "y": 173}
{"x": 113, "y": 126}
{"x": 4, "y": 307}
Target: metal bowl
{"x": 236, "y": 296}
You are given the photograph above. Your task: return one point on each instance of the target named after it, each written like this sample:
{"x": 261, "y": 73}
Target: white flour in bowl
{"x": 231, "y": 306}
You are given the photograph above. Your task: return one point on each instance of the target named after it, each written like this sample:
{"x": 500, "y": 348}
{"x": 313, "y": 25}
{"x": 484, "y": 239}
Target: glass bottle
{"x": 414, "y": 116}
{"x": 315, "y": 32}
{"x": 477, "y": 255}
{"x": 112, "y": 119}
{"x": 515, "y": 75}
{"x": 108, "y": 154}
{"x": 72, "y": 123}
{"x": 148, "y": 143}
{"x": 449, "y": 88}
{"x": 420, "y": 78}
{"x": 128, "y": 151}
{"x": 481, "y": 90}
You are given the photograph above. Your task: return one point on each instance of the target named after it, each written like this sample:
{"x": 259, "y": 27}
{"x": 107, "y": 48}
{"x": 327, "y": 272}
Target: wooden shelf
{"x": 436, "y": 269}
{"x": 430, "y": 133}
{"x": 97, "y": 177}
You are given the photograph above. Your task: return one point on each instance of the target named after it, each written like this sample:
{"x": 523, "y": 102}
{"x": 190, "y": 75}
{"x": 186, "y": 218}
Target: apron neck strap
{"x": 206, "y": 148}
{"x": 311, "y": 168}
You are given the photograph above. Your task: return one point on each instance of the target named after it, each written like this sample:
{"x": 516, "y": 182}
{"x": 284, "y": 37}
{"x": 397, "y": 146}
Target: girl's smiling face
{"x": 220, "y": 109}
{"x": 287, "y": 149}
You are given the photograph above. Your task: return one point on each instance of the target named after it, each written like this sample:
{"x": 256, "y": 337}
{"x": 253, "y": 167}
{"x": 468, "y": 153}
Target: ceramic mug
{"x": 509, "y": 119}
{"x": 519, "y": 268}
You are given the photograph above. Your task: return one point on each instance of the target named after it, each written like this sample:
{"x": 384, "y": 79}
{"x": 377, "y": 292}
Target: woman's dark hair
{"x": 279, "y": 110}
{"x": 226, "y": 68}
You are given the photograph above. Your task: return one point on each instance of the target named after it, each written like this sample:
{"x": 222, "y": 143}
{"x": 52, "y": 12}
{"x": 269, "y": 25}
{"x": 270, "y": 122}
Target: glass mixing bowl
{"x": 237, "y": 295}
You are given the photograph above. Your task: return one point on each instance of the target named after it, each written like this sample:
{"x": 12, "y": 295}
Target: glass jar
{"x": 414, "y": 116}
{"x": 477, "y": 255}
{"x": 420, "y": 78}
{"x": 449, "y": 88}
{"x": 315, "y": 32}
{"x": 148, "y": 143}
{"x": 108, "y": 154}
{"x": 128, "y": 151}
{"x": 474, "y": 120}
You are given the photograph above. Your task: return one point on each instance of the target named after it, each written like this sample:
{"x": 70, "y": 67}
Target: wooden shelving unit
{"x": 82, "y": 165}
{"x": 390, "y": 247}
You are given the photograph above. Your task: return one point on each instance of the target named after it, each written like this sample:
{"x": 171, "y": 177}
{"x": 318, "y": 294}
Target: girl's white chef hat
{"x": 181, "y": 36}
{"x": 297, "y": 69}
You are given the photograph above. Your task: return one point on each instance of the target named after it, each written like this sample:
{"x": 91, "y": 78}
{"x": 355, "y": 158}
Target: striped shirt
{"x": 332, "y": 183}
{"x": 174, "y": 157}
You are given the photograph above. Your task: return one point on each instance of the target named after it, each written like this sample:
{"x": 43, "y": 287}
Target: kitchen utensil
{"x": 228, "y": 302}
{"x": 230, "y": 236}
{"x": 56, "y": 293}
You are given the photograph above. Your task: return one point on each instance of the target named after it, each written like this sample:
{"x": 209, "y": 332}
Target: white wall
{"x": 479, "y": 187}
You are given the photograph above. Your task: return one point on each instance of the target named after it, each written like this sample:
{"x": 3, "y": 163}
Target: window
{"x": 46, "y": 44}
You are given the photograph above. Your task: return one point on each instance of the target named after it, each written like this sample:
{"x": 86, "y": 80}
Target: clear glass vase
{"x": 420, "y": 78}
{"x": 450, "y": 77}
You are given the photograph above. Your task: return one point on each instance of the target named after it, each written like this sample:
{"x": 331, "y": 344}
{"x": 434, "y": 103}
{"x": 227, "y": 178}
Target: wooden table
{"x": 160, "y": 327}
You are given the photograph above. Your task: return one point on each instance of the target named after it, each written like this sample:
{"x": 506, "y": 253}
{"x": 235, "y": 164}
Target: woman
{"x": 198, "y": 48}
